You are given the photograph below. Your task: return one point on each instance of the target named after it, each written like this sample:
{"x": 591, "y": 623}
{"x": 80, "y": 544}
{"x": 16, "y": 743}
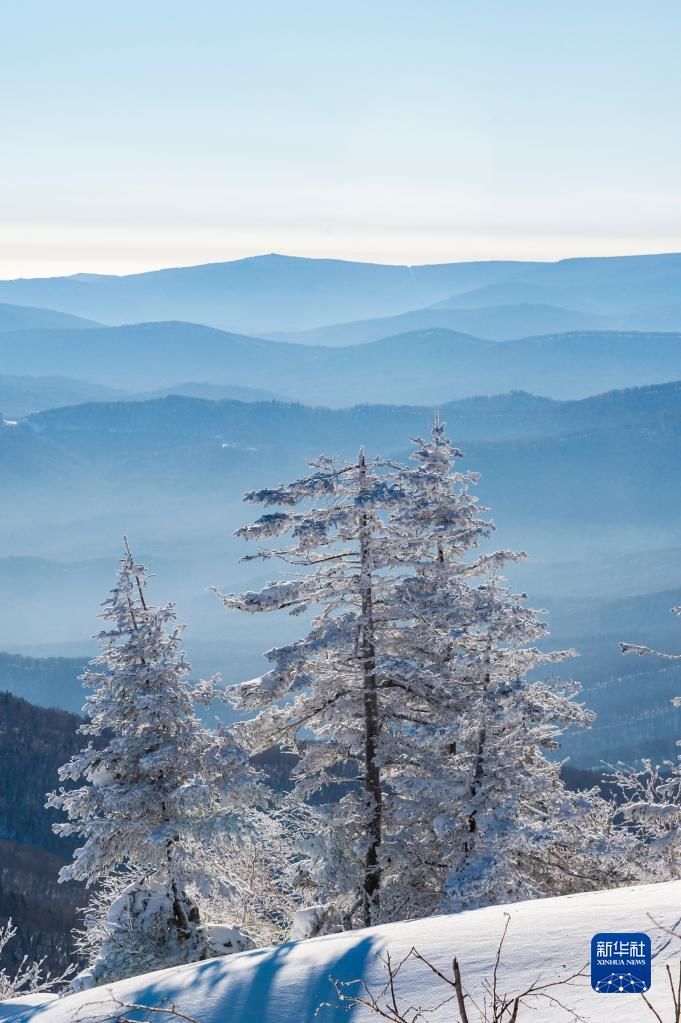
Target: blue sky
{"x": 153, "y": 133}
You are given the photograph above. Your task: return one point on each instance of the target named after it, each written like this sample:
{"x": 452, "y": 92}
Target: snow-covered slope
{"x": 547, "y": 938}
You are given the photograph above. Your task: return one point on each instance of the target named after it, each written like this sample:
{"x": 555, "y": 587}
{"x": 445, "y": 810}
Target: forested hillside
{"x": 49, "y": 682}
{"x": 34, "y": 742}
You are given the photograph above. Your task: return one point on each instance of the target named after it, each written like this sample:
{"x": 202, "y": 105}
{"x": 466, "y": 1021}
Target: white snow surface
{"x": 287, "y": 984}
{"x": 307, "y": 922}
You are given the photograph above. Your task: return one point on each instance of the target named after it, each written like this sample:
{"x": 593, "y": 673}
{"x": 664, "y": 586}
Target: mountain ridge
{"x": 494, "y": 323}
{"x": 276, "y": 292}
{"x": 421, "y": 367}
{"x": 24, "y": 317}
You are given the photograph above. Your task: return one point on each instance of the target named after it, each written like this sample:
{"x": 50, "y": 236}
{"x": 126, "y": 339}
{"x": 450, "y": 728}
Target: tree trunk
{"x": 179, "y": 909}
{"x": 479, "y": 767}
{"x": 477, "y": 774}
{"x": 372, "y": 774}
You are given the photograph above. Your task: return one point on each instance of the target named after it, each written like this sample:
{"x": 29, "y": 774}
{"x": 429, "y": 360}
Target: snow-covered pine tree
{"x": 515, "y": 831}
{"x": 503, "y": 822}
{"x": 354, "y": 683}
{"x": 385, "y": 679}
{"x": 157, "y": 778}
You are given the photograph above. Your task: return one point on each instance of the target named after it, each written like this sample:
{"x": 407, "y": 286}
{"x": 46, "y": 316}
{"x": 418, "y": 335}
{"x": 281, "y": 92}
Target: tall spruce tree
{"x": 158, "y": 776}
{"x": 407, "y": 619}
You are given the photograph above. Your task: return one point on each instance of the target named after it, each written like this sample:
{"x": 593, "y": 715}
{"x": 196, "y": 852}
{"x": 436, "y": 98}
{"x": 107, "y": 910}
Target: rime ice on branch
{"x": 651, "y": 797}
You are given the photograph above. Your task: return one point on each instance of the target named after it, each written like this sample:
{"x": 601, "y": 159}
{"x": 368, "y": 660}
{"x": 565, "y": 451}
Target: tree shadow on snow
{"x": 258, "y": 988}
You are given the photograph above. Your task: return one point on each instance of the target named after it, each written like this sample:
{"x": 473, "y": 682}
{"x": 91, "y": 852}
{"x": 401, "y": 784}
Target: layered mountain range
{"x": 284, "y": 293}
{"x": 553, "y": 378}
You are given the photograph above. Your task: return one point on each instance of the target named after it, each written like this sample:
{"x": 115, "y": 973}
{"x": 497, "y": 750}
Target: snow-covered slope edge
{"x": 287, "y": 984}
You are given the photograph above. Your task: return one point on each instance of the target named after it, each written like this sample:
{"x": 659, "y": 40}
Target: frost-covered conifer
{"x": 393, "y": 680}
{"x": 158, "y": 777}
{"x": 515, "y": 831}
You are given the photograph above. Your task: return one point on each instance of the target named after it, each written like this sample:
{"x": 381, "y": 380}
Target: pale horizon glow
{"x": 197, "y": 251}
{"x": 155, "y": 135}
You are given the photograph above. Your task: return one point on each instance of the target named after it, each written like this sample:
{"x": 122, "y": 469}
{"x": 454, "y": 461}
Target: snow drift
{"x": 291, "y": 983}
